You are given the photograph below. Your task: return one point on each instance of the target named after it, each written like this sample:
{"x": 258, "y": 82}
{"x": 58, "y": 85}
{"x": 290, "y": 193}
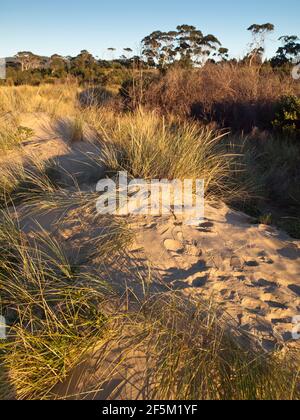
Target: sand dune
{"x": 252, "y": 271}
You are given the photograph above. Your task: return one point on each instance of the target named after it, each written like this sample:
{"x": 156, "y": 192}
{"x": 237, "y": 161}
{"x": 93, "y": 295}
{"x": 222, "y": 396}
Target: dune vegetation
{"x": 65, "y": 300}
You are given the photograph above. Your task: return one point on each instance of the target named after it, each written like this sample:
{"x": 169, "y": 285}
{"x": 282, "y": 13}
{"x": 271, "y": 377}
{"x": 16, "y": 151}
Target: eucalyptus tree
{"x": 127, "y": 51}
{"x": 222, "y": 53}
{"x": 193, "y": 46}
{"x": 112, "y": 51}
{"x": 168, "y": 48}
{"x": 152, "y": 48}
{"x": 258, "y": 44}
{"x": 84, "y": 65}
{"x": 58, "y": 65}
{"x": 187, "y": 44}
{"x": 289, "y": 51}
{"x": 28, "y": 61}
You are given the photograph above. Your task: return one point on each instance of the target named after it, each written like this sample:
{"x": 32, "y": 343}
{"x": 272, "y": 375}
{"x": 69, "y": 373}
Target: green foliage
{"x": 257, "y": 47}
{"x": 288, "y": 52}
{"x": 53, "y": 315}
{"x": 261, "y": 29}
{"x": 287, "y": 119}
{"x": 266, "y": 219}
{"x": 186, "y": 46}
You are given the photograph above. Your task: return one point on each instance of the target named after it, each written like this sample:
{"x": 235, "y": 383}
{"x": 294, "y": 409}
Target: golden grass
{"x": 54, "y": 310}
{"x": 195, "y": 352}
{"x": 151, "y": 147}
{"x": 55, "y": 100}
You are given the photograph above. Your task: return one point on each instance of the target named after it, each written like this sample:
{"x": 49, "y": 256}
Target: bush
{"x": 236, "y": 96}
{"x": 287, "y": 119}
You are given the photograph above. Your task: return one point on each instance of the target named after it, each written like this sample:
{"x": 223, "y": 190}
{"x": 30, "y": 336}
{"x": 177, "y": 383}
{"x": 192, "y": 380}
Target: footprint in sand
{"x": 295, "y": 289}
{"x": 252, "y": 263}
{"x": 223, "y": 278}
{"x": 173, "y": 246}
{"x": 254, "y": 306}
{"x": 193, "y": 249}
{"x": 276, "y": 305}
{"x": 200, "y": 282}
{"x": 284, "y": 320}
{"x": 268, "y": 286}
{"x": 180, "y": 285}
{"x": 292, "y": 252}
{"x": 205, "y": 227}
{"x": 228, "y": 294}
{"x": 264, "y": 258}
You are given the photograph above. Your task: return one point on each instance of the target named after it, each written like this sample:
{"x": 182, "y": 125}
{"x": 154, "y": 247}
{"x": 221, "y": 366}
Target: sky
{"x": 68, "y": 26}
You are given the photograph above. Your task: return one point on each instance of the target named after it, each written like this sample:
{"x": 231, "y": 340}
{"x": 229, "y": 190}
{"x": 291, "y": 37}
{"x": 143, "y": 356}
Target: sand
{"x": 251, "y": 271}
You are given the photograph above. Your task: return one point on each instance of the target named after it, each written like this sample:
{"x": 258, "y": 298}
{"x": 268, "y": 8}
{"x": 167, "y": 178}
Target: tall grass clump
{"x": 212, "y": 359}
{"x": 21, "y": 181}
{"x": 12, "y": 134}
{"x": 185, "y": 349}
{"x": 54, "y": 312}
{"x": 151, "y": 147}
{"x": 272, "y": 164}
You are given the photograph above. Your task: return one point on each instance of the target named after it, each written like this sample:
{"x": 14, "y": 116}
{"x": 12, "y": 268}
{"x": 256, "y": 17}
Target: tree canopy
{"x": 187, "y": 45}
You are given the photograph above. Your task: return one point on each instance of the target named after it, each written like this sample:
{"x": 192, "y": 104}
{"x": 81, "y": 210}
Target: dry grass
{"x": 54, "y": 309}
{"x": 236, "y": 96}
{"x": 56, "y": 101}
{"x": 12, "y": 134}
{"x": 209, "y": 360}
{"x": 151, "y": 147}
{"x": 21, "y": 181}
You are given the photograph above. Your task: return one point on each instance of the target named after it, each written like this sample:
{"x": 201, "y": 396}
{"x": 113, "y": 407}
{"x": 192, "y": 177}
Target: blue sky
{"x": 68, "y": 26}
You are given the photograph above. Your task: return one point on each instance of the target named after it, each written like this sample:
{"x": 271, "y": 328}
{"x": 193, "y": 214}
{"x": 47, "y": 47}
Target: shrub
{"x": 236, "y": 96}
{"x": 287, "y": 119}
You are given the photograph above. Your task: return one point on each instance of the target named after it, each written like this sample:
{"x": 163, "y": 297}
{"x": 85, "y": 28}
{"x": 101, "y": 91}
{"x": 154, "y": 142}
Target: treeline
{"x": 185, "y": 47}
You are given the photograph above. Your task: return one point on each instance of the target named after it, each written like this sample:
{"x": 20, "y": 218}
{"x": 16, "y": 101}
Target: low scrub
{"x": 233, "y": 95}
{"x": 287, "y": 117}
